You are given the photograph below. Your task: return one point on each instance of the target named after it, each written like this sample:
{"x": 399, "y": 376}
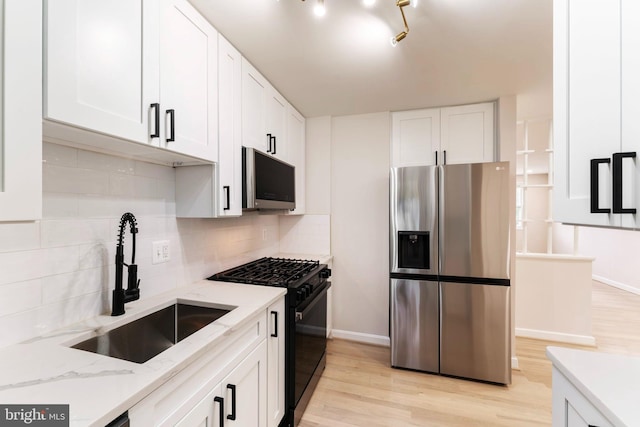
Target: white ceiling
{"x": 457, "y": 51}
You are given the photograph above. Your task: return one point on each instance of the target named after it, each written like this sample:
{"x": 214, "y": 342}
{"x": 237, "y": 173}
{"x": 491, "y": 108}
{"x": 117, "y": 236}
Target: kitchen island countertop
{"x": 611, "y": 382}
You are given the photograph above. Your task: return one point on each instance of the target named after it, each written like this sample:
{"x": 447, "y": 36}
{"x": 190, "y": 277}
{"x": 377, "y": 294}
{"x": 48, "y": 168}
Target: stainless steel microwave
{"x": 267, "y": 183}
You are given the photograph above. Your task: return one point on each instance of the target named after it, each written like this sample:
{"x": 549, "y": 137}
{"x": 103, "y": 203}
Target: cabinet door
{"x": 467, "y": 133}
{"x": 188, "y": 81}
{"x": 101, "y": 62}
{"x": 297, "y": 155}
{"x": 275, "y": 363}
{"x": 230, "y": 116}
{"x": 586, "y": 106}
{"x": 208, "y": 413}
{"x": 245, "y": 391}
{"x": 255, "y": 90}
{"x": 415, "y": 137}
{"x": 20, "y": 110}
{"x": 277, "y": 115}
{"x": 630, "y": 109}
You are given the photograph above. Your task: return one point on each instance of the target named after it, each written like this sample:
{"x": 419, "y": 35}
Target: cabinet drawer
{"x": 173, "y": 400}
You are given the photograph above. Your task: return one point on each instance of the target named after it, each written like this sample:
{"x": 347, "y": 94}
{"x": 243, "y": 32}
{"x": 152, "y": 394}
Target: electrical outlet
{"x": 160, "y": 252}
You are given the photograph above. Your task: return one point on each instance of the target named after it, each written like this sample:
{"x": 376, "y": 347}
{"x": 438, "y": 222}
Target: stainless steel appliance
{"x": 267, "y": 183}
{"x": 306, "y": 319}
{"x": 449, "y": 280}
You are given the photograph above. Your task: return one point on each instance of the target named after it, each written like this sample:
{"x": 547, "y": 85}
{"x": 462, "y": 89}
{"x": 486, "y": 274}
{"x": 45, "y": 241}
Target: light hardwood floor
{"x": 359, "y": 388}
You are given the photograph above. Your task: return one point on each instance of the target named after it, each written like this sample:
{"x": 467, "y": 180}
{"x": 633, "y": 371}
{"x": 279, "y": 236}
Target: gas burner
{"x": 282, "y": 272}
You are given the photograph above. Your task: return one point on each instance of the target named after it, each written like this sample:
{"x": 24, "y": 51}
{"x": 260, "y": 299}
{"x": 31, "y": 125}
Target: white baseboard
{"x": 556, "y": 336}
{"x": 615, "y": 284}
{"x": 360, "y": 337}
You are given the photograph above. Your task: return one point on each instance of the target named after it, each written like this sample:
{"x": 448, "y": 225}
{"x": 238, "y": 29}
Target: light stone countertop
{"x": 99, "y": 388}
{"x": 611, "y": 382}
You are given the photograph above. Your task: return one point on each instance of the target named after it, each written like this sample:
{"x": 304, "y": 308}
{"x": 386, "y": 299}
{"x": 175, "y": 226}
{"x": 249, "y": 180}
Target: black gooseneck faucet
{"x": 132, "y": 293}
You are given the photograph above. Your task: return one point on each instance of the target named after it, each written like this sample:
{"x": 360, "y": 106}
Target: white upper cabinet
{"x": 467, "y": 133}
{"x": 229, "y": 182}
{"x": 460, "y": 134}
{"x": 296, "y": 139}
{"x": 415, "y": 137}
{"x": 596, "y": 105}
{"x": 21, "y": 110}
{"x": 102, "y": 70}
{"x": 264, "y": 114}
{"x": 139, "y": 70}
{"x": 188, "y": 81}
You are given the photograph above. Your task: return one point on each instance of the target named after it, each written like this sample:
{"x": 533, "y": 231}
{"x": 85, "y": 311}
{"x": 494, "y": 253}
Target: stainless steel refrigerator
{"x": 449, "y": 279}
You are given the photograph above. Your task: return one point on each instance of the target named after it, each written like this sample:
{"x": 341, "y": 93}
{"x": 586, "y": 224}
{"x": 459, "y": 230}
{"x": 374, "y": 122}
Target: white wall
{"x": 60, "y": 270}
{"x": 318, "y": 166}
{"x": 360, "y": 226}
{"x": 616, "y": 255}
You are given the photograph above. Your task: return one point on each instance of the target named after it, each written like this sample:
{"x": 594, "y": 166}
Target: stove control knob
{"x": 307, "y": 289}
{"x": 300, "y": 296}
{"x": 325, "y": 274}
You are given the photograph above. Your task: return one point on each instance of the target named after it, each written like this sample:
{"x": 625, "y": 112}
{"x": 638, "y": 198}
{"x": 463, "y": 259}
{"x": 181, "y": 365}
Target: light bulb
{"x": 319, "y": 8}
{"x": 414, "y": 3}
{"x": 394, "y": 42}
{"x": 368, "y": 3}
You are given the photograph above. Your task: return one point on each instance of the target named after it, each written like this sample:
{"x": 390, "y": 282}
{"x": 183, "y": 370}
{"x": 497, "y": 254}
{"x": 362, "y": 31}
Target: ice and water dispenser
{"x": 413, "y": 250}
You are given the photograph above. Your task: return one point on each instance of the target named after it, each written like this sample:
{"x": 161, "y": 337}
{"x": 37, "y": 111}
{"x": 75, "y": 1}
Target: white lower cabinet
{"x": 275, "y": 363}
{"x": 232, "y": 385}
{"x": 239, "y": 400}
{"x": 571, "y": 408}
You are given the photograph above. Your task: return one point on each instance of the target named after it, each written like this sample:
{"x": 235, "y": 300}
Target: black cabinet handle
{"x": 444, "y": 154}
{"x": 172, "y": 125}
{"x": 436, "y": 157}
{"x": 595, "y": 194}
{"x": 156, "y": 128}
{"x": 269, "y": 142}
{"x": 228, "y": 190}
{"x": 232, "y": 415}
{"x": 274, "y": 144}
{"x": 220, "y": 401}
{"x": 617, "y": 183}
{"x": 275, "y": 324}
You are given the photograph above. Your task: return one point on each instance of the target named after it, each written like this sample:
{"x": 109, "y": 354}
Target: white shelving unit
{"x": 526, "y": 187}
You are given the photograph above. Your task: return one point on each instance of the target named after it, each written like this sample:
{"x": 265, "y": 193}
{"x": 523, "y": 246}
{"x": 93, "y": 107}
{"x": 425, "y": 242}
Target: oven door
{"x": 310, "y": 341}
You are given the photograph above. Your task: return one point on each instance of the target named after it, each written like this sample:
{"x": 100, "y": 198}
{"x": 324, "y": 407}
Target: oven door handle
{"x": 300, "y": 315}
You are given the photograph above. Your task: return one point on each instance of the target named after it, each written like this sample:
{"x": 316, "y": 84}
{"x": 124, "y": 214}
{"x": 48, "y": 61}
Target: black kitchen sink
{"x": 144, "y": 338}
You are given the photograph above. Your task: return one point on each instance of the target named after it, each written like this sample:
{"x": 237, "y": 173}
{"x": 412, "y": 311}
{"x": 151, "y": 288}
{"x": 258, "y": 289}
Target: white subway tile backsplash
{"x": 61, "y": 179}
{"x": 61, "y": 287}
{"x": 121, "y": 185}
{"x": 19, "y": 236}
{"x": 21, "y": 266}
{"x": 163, "y": 173}
{"x": 105, "y": 162}
{"x": 53, "y": 154}
{"x": 65, "y": 232}
{"x": 20, "y": 296}
{"x": 308, "y": 234}
{"x": 60, "y": 205}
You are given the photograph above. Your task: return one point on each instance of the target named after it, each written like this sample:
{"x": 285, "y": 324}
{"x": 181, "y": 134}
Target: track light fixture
{"x": 401, "y": 35}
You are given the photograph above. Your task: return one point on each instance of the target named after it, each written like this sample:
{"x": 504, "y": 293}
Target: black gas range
{"x": 306, "y": 319}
